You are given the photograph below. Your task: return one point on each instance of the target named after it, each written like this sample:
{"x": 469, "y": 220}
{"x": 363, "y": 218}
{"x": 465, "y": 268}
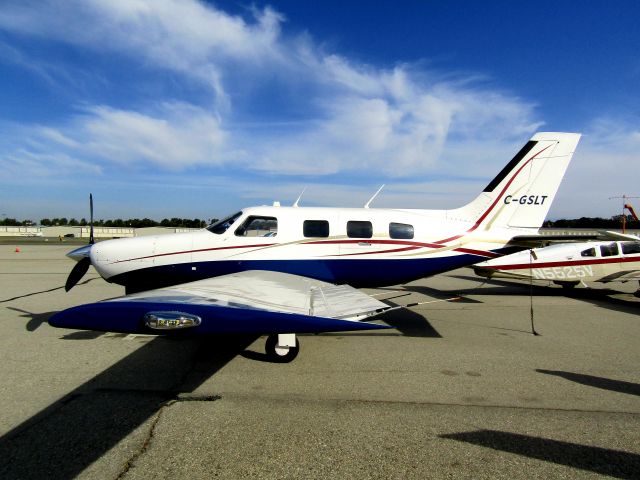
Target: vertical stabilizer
{"x": 522, "y": 193}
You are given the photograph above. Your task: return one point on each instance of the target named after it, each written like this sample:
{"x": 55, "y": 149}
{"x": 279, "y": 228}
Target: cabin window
{"x": 223, "y": 225}
{"x": 589, "y": 252}
{"x": 630, "y": 247}
{"x": 257, "y": 226}
{"x": 315, "y": 228}
{"x": 358, "y": 229}
{"x": 609, "y": 250}
{"x": 401, "y": 231}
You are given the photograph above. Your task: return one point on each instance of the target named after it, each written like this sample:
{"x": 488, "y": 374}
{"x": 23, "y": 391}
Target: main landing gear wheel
{"x": 567, "y": 285}
{"x": 281, "y": 354}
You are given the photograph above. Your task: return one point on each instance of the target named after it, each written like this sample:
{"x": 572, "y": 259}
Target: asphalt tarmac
{"x": 458, "y": 389}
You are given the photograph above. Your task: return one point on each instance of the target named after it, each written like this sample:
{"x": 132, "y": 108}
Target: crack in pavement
{"x": 146, "y": 442}
{"x": 130, "y": 463}
{"x": 310, "y": 399}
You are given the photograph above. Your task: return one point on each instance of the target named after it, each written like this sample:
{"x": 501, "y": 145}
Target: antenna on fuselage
{"x": 366, "y": 205}
{"x": 298, "y": 200}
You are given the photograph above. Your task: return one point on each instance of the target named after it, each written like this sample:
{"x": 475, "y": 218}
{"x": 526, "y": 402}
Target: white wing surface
{"x": 253, "y": 301}
{"x": 269, "y": 291}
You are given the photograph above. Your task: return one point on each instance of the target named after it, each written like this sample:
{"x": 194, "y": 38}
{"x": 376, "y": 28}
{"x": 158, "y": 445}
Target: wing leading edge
{"x": 245, "y": 302}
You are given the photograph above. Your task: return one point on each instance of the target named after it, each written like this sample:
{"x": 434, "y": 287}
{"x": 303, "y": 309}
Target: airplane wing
{"x": 543, "y": 240}
{"x": 530, "y": 241}
{"x": 253, "y": 301}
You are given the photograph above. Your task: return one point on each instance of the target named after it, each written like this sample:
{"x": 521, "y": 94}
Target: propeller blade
{"x": 77, "y": 273}
{"x": 91, "y": 240}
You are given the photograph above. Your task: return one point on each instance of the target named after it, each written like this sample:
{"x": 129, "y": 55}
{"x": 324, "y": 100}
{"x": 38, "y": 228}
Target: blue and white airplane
{"x": 287, "y": 270}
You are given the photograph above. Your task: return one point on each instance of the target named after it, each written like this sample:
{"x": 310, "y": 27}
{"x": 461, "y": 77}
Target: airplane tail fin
{"x": 521, "y": 194}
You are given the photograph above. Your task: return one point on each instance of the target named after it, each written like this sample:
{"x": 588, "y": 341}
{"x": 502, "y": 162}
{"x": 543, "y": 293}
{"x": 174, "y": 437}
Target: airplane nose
{"x": 80, "y": 253}
{"x": 101, "y": 256}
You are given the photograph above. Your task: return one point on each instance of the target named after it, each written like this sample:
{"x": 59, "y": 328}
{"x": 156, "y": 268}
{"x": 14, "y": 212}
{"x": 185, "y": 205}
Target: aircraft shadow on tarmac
{"x": 407, "y": 322}
{"x": 597, "y": 382}
{"x": 66, "y": 437}
{"x": 31, "y": 294}
{"x": 604, "y": 461}
{"x": 35, "y": 319}
{"x": 410, "y": 323}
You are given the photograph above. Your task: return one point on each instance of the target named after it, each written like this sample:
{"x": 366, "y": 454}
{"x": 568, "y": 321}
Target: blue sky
{"x": 192, "y": 109}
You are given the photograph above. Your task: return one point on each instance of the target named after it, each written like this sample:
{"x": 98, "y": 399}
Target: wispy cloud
{"x": 274, "y": 107}
{"x": 393, "y": 121}
{"x": 179, "y": 136}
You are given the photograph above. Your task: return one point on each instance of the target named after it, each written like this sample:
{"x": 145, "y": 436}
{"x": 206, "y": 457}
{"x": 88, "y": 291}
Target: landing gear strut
{"x": 282, "y": 348}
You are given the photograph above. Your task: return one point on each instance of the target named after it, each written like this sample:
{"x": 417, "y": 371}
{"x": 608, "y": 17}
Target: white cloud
{"x": 181, "y": 136}
{"x": 189, "y": 37}
{"x": 174, "y": 137}
{"x": 358, "y": 121}
{"x": 24, "y": 164}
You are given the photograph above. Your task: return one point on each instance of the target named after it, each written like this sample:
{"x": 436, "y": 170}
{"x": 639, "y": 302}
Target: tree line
{"x": 614, "y": 222}
{"x": 118, "y": 222}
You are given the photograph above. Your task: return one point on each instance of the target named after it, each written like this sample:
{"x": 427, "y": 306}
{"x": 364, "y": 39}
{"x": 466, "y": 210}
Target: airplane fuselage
{"x": 570, "y": 263}
{"x": 361, "y": 247}
{"x": 356, "y": 246}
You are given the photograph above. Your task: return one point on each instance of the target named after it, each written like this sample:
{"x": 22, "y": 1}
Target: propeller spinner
{"x": 81, "y": 255}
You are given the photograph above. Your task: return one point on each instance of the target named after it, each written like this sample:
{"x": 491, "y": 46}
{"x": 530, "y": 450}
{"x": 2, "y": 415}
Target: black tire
{"x": 567, "y": 285}
{"x": 274, "y": 356}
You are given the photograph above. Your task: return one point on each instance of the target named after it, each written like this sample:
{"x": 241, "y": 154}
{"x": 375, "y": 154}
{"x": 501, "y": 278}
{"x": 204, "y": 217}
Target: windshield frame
{"x": 221, "y": 226}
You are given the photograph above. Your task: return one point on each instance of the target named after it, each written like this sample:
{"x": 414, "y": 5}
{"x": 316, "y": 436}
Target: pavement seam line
{"x": 231, "y": 396}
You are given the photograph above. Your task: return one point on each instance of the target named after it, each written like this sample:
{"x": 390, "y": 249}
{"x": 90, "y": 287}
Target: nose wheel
{"x": 282, "y": 348}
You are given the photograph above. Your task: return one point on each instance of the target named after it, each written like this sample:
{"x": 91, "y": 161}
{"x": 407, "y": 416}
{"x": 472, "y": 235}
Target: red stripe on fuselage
{"x": 375, "y": 242}
{"x": 597, "y": 261}
{"x": 379, "y": 251}
{"x": 196, "y": 251}
{"x": 482, "y": 253}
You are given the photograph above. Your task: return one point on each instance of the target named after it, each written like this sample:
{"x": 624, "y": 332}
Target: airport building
{"x": 83, "y": 232}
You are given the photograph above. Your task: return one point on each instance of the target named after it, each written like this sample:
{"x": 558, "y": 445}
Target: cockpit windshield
{"x": 223, "y": 225}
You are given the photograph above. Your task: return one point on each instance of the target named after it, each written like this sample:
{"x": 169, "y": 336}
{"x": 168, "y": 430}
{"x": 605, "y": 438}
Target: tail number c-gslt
{"x": 525, "y": 199}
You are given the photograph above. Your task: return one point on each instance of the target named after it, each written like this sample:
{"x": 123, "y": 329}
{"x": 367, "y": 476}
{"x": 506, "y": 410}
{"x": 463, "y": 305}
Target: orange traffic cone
{"x": 17, "y": 249}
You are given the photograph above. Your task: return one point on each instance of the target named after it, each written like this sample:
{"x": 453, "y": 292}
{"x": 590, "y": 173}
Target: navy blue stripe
{"x": 355, "y": 272}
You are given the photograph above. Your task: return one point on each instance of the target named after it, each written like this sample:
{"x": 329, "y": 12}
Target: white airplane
{"x": 286, "y": 270}
{"x": 568, "y": 264}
